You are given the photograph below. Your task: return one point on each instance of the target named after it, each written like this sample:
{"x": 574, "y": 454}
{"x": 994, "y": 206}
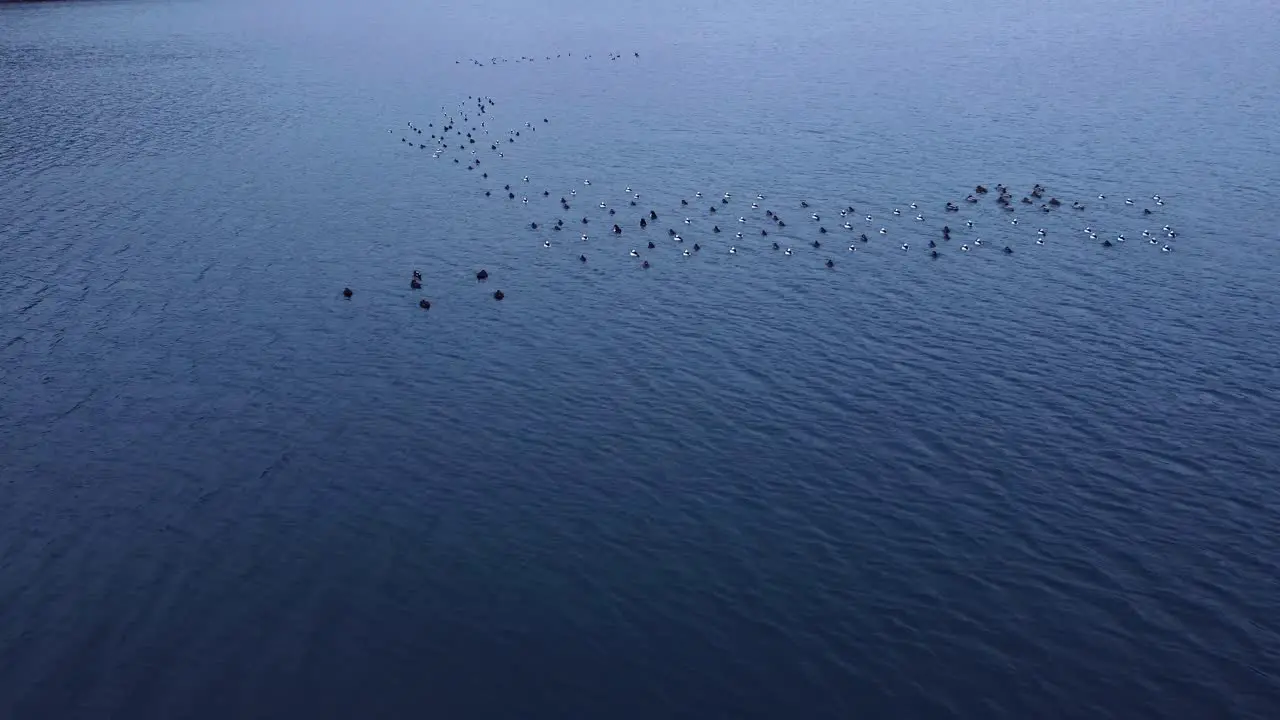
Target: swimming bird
{"x": 651, "y": 245}
{"x": 830, "y": 263}
{"x": 546, "y": 243}
{"x": 346, "y": 292}
{"x": 733, "y": 250}
{"x": 634, "y": 253}
{"x": 498, "y": 295}
{"x": 964, "y": 248}
{"x": 583, "y": 258}
{"x": 787, "y": 251}
{"x": 424, "y": 304}
{"x": 482, "y": 275}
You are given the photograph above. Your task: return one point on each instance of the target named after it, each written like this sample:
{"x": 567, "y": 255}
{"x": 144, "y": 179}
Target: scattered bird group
{"x": 467, "y": 133}
{"x": 499, "y": 60}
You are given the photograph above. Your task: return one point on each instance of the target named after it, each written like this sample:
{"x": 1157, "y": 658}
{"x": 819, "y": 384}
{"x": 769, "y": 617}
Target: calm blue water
{"x": 1041, "y": 485}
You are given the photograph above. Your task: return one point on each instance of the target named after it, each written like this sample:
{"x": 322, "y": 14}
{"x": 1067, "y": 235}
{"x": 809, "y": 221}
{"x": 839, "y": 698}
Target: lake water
{"x": 1036, "y": 485}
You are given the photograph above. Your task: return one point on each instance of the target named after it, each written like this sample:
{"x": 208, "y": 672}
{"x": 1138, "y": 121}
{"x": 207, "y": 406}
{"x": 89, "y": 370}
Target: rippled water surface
{"x": 1037, "y": 485}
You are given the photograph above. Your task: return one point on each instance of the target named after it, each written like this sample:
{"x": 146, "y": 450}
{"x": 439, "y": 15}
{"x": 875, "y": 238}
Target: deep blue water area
{"x": 1040, "y": 484}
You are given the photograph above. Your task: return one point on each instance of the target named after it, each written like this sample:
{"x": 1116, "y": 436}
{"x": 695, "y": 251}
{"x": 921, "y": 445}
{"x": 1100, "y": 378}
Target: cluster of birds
{"x": 467, "y": 135}
{"x": 416, "y": 284}
{"x": 471, "y": 114}
{"x": 497, "y": 60}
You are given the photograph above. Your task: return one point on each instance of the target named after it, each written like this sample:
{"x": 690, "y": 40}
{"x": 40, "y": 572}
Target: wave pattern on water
{"x": 735, "y": 486}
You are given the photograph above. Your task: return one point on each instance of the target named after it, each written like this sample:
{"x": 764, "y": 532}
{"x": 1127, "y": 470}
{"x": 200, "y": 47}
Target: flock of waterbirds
{"x": 466, "y": 134}
{"x": 497, "y": 60}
